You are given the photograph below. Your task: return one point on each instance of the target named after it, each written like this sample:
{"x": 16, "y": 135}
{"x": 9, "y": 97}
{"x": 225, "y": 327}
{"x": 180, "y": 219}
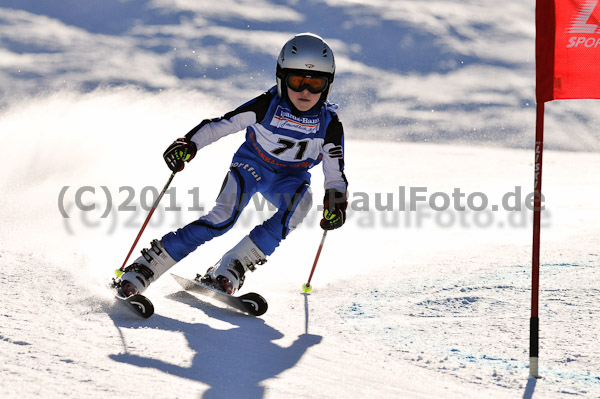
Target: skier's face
{"x": 303, "y": 100}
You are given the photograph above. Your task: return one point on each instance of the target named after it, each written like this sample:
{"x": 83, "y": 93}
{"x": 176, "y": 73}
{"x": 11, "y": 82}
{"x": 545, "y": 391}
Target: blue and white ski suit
{"x": 280, "y": 146}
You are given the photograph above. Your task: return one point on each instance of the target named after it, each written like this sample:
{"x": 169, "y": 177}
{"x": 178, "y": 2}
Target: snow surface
{"x": 406, "y": 304}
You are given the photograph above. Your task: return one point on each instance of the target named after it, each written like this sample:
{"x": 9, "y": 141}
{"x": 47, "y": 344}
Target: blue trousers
{"x": 289, "y": 191}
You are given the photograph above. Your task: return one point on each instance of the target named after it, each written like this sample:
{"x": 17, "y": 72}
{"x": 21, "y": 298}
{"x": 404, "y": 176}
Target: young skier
{"x": 289, "y": 129}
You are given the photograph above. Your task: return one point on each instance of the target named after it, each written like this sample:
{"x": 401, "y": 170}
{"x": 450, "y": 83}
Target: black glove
{"x": 334, "y": 209}
{"x": 179, "y": 152}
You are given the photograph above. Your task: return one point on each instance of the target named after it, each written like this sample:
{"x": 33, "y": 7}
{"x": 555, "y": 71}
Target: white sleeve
{"x": 214, "y": 130}
{"x": 211, "y": 130}
{"x": 333, "y": 157}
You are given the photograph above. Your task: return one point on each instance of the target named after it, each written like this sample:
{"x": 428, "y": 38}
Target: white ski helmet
{"x": 307, "y": 54}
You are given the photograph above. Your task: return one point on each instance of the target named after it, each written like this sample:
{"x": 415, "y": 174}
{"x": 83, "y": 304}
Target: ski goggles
{"x": 314, "y": 85}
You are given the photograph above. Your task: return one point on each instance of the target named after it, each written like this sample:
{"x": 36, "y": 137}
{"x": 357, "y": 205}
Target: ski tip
{"x": 250, "y": 303}
{"x": 141, "y": 304}
{"x": 255, "y": 304}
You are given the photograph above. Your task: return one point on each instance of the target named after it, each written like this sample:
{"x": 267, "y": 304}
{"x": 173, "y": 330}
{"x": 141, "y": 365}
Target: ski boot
{"x": 228, "y": 274}
{"x": 153, "y": 263}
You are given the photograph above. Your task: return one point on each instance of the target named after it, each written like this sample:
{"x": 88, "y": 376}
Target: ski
{"x": 251, "y": 303}
{"x": 137, "y": 302}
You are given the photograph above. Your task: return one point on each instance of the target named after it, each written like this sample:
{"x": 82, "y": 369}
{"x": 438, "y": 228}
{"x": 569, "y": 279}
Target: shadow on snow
{"x": 232, "y": 362}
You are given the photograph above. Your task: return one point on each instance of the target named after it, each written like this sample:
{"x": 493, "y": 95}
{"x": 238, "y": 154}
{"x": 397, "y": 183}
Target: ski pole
{"x": 148, "y": 219}
{"x": 307, "y": 287}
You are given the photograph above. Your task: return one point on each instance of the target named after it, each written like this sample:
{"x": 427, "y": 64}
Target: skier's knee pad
{"x": 300, "y": 209}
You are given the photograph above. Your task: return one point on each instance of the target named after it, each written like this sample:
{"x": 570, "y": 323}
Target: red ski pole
{"x": 307, "y": 287}
{"x": 146, "y": 221}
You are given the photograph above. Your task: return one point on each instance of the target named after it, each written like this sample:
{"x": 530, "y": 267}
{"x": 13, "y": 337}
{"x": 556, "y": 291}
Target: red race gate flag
{"x": 567, "y": 49}
{"x": 567, "y": 58}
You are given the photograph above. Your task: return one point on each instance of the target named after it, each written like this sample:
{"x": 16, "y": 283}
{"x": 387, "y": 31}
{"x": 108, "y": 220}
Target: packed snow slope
{"x": 427, "y": 303}
{"x": 430, "y": 301}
